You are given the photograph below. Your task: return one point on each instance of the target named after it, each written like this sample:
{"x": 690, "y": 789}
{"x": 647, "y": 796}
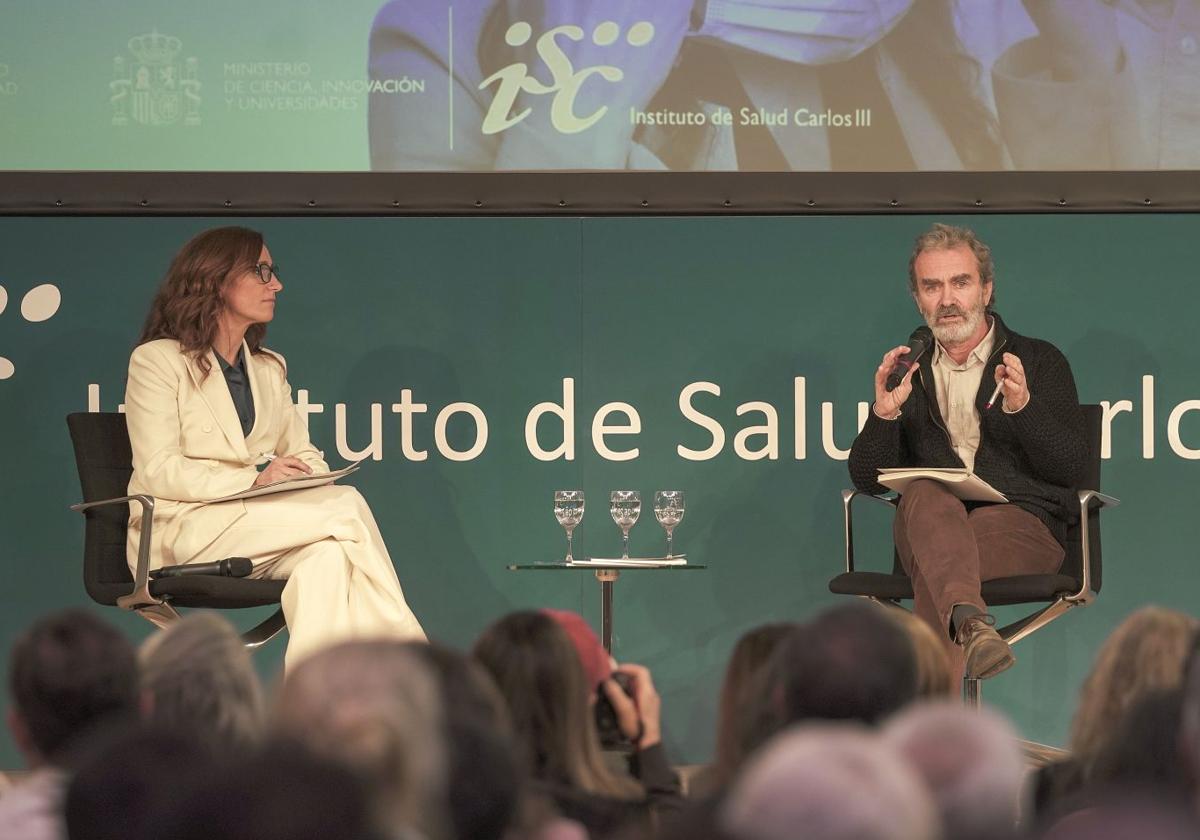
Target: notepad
{"x": 961, "y": 482}
{"x": 299, "y": 482}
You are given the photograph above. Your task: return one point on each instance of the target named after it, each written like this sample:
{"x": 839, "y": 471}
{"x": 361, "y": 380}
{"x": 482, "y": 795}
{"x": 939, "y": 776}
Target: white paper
{"x": 961, "y": 482}
{"x": 297, "y": 483}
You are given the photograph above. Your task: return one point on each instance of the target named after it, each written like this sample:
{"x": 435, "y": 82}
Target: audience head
{"x": 483, "y": 785}
{"x": 196, "y": 676}
{"x": 1147, "y": 651}
{"x": 1144, "y": 752}
{"x": 829, "y": 782}
{"x": 375, "y": 706}
{"x": 539, "y": 674}
{"x": 741, "y": 693}
{"x": 279, "y": 792}
{"x": 851, "y": 662}
{"x": 593, "y": 658}
{"x": 1125, "y": 816}
{"x": 125, "y": 777}
{"x": 935, "y": 675}
{"x": 69, "y": 673}
{"x": 970, "y": 761}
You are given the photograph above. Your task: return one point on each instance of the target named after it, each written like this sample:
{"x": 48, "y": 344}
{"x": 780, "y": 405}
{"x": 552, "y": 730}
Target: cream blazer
{"x": 188, "y": 444}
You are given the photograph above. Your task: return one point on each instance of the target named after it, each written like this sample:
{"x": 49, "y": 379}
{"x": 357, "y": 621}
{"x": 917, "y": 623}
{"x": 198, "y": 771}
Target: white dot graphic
{"x": 640, "y": 33}
{"x": 6, "y": 368}
{"x": 606, "y": 33}
{"x": 518, "y": 34}
{"x": 41, "y": 302}
{"x": 3, "y": 298}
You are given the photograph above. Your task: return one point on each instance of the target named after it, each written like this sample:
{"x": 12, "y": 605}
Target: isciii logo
{"x": 566, "y": 80}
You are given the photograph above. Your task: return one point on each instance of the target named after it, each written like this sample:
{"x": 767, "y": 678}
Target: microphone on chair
{"x": 229, "y": 567}
{"x": 918, "y": 343}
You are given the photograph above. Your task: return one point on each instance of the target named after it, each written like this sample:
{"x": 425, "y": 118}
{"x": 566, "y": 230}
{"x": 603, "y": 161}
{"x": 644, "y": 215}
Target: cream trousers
{"x": 341, "y": 583}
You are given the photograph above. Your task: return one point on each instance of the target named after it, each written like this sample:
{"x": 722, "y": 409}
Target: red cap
{"x": 597, "y": 666}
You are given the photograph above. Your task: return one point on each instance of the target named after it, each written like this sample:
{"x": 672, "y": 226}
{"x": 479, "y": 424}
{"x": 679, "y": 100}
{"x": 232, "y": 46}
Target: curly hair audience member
{"x": 1146, "y": 652}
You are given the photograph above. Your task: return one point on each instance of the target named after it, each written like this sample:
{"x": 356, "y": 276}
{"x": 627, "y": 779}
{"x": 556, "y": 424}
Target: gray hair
{"x": 943, "y": 237}
{"x": 838, "y": 782}
{"x": 971, "y": 762}
{"x": 198, "y": 677}
{"x": 375, "y": 705}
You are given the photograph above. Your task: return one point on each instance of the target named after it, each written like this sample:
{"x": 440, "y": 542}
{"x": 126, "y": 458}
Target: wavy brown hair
{"x": 188, "y": 304}
{"x": 1148, "y": 651}
{"x": 539, "y": 674}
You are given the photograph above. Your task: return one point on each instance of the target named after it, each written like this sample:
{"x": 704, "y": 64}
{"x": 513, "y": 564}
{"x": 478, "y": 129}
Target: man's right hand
{"x": 887, "y": 403}
{"x": 282, "y": 468}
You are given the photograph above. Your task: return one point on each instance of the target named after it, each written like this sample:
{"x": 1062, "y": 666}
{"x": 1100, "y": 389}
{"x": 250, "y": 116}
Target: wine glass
{"x": 625, "y": 506}
{"x": 668, "y": 510}
{"x": 568, "y": 510}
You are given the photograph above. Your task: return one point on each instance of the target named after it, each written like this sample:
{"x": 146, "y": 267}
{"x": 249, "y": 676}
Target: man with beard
{"x": 1031, "y": 447}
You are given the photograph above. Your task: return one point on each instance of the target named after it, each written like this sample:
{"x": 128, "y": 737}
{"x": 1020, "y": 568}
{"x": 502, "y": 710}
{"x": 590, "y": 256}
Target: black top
{"x": 1035, "y": 457}
{"x": 239, "y": 388}
{"x": 606, "y": 816}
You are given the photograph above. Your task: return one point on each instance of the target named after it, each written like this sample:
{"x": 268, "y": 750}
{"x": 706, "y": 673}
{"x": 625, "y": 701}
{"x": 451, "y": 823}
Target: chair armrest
{"x": 848, "y": 497}
{"x": 1088, "y": 499}
{"x": 140, "y": 596}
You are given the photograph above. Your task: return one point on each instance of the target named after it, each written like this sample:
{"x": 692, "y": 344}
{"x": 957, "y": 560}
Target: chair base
{"x": 164, "y": 615}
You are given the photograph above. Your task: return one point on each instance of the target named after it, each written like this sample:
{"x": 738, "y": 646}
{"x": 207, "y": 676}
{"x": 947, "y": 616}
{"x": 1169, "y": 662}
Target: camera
{"x": 609, "y": 730}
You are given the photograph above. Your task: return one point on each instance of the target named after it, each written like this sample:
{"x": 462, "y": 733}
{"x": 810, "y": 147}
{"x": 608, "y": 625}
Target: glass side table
{"x": 607, "y": 575}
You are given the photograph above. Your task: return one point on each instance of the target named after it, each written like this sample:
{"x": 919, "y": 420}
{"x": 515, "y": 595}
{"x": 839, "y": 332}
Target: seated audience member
{"x": 738, "y": 694}
{"x": 197, "y": 677}
{"x": 69, "y": 675}
{"x": 375, "y": 706}
{"x": 1126, "y": 817}
{"x": 124, "y": 779}
{"x": 542, "y": 678}
{"x": 1147, "y": 651}
{"x": 1144, "y": 752}
{"x": 486, "y": 789}
{"x": 851, "y": 662}
{"x": 971, "y": 763}
{"x": 935, "y": 675}
{"x": 829, "y": 782}
{"x": 280, "y": 792}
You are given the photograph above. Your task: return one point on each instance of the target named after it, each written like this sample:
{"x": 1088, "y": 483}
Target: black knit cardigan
{"x": 1035, "y": 457}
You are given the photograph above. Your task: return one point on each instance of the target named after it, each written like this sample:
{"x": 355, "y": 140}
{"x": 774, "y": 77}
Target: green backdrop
{"x": 497, "y": 312}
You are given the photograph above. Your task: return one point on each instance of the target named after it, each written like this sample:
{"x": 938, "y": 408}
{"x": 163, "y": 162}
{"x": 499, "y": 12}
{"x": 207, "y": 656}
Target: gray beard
{"x": 955, "y": 333}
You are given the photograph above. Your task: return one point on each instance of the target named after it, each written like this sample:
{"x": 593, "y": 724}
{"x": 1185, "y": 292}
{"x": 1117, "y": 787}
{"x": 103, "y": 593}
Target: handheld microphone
{"x": 918, "y": 343}
{"x": 229, "y": 567}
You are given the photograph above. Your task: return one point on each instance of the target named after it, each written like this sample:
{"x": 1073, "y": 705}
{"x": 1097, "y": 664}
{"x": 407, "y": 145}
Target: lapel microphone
{"x": 920, "y": 341}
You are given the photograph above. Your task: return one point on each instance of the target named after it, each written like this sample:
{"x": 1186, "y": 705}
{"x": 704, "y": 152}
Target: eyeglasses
{"x": 266, "y": 271}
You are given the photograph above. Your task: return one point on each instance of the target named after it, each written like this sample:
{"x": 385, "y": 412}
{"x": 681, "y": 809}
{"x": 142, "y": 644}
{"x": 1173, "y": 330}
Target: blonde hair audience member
{"x": 196, "y": 675}
{"x": 375, "y": 706}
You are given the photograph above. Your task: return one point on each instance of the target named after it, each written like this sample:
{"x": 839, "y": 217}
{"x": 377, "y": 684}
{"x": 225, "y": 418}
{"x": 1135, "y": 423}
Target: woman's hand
{"x": 638, "y": 717}
{"x": 282, "y": 468}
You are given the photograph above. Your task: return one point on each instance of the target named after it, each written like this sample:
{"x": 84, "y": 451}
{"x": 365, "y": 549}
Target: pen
{"x": 992, "y": 399}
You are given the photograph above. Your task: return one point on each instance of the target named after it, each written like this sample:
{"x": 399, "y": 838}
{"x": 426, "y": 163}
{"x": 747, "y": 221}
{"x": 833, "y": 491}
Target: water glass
{"x": 625, "y": 506}
{"x": 568, "y": 510}
{"x": 668, "y": 510}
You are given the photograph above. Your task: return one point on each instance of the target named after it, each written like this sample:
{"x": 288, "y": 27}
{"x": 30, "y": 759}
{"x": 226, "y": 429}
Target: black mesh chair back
{"x": 104, "y": 459}
{"x": 105, "y": 463}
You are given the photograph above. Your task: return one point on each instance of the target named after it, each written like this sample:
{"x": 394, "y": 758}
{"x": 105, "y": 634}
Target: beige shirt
{"x": 956, "y": 387}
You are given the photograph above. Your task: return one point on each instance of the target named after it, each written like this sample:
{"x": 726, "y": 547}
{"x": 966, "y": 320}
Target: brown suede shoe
{"x": 987, "y": 654}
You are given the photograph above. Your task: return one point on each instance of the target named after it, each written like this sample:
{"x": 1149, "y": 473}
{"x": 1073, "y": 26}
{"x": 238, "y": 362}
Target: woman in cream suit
{"x": 207, "y": 404}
